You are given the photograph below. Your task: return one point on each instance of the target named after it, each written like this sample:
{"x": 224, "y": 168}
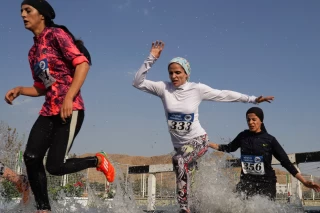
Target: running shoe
{"x": 106, "y": 167}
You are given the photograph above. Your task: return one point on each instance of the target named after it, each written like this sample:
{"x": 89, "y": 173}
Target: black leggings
{"x": 250, "y": 189}
{"x": 50, "y": 134}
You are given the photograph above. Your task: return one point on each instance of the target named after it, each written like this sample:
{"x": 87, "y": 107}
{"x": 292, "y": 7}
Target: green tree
{"x": 10, "y": 144}
{"x": 8, "y": 190}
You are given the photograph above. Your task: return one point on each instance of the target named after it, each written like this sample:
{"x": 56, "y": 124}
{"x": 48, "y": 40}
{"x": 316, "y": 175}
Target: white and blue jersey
{"x": 181, "y": 103}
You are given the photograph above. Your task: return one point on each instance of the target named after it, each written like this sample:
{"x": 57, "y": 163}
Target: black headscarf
{"x": 47, "y": 11}
{"x": 42, "y": 6}
{"x": 259, "y": 113}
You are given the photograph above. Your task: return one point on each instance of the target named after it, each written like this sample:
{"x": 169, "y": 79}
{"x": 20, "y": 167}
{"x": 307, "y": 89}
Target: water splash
{"x": 214, "y": 192}
{"x": 123, "y": 201}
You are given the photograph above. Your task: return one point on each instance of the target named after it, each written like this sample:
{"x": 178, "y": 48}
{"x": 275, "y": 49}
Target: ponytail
{"x": 78, "y": 42}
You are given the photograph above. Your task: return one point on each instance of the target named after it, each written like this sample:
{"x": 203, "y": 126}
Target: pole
{"x": 87, "y": 184}
{"x": 127, "y": 178}
{"x": 143, "y": 185}
{"x": 313, "y": 195}
{"x": 161, "y": 185}
{"x": 151, "y": 192}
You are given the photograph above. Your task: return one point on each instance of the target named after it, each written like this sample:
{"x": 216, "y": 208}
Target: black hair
{"x": 47, "y": 11}
{"x": 78, "y": 42}
{"x": 259, "y": 113}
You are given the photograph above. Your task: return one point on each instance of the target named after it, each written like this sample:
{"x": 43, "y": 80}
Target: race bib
{"x": 252, "y": 165}
{"x": 180, "y": 122}
{"x": 41, "y": 70}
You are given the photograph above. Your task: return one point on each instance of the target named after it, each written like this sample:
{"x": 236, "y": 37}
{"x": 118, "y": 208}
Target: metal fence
{"x": 78, "y": 184}
{"x": 75, "y": 184}
{"x": 166, "y": 186}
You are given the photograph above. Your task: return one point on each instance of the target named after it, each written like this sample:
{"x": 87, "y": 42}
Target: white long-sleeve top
{"x": 181, "y": 103}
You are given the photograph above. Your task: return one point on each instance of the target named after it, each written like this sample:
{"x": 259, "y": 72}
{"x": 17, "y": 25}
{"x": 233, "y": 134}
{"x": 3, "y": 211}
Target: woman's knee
{"x": 32, "y": 159}
{"x": 53, "y": 169}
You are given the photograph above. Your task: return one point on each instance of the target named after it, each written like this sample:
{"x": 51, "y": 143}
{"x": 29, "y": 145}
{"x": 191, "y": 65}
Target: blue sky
{"x": 253, "y": 47}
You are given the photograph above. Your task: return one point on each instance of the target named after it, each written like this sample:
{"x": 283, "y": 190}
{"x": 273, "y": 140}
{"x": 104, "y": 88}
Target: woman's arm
{"x": 140, "y": 82}
{"x": 231, "y": 147}
{"x": 283, "y": 158}
{"x": 78, "y": 80}
{"x": 210, "y": 94}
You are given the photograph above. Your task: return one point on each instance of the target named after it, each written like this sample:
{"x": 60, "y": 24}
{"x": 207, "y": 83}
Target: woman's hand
{"x": 312, "y": 185}
{"x": 157, "y": 48}
{"x": 12, "y": 94}
{"x": 264, "y": 99}
{"x": 214, "y": 145}
{"x": 66, "y": 109}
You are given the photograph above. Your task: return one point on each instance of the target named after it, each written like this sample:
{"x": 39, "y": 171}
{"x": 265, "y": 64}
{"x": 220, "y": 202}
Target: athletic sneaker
{"x": 106, "y": 167}
{"x": 24, "y": 188}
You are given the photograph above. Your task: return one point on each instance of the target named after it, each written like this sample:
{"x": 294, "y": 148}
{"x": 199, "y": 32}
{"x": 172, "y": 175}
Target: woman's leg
{"x": 38, "y": 143}
{"x": 64, "y": 135}
{"x": 186, "y": 157}
{"x": 250, "y": 188}
{"x": 267, "y": 189}
{"x": 244, "y": 189}
{"x": 182, "y": 177}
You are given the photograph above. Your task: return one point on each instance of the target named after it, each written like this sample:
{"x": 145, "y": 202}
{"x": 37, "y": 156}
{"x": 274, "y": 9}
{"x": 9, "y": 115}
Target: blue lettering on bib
{"x": 41, "y": 70}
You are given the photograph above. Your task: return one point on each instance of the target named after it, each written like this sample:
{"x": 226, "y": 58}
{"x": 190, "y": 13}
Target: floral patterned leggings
{"x": 185, "y": 163}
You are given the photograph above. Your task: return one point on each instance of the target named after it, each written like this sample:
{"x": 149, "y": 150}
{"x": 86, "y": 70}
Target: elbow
{"x": 223, "y": 149}
{"x": 290, "y": 168}
{"x": 84, "y": 66}
{"x": 80, "y": 61}
{"x": 136, "y": 84}
{"x": 294, "y": 174}
{"x": 40, "y": 92}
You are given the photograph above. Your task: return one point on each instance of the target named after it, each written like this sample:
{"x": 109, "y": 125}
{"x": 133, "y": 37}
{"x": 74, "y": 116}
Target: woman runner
{"x": 20, "y": 181}
{"x": 257, "y": 148}
{"x": 59, "y": 65}
{"x": 181, "y": 99}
